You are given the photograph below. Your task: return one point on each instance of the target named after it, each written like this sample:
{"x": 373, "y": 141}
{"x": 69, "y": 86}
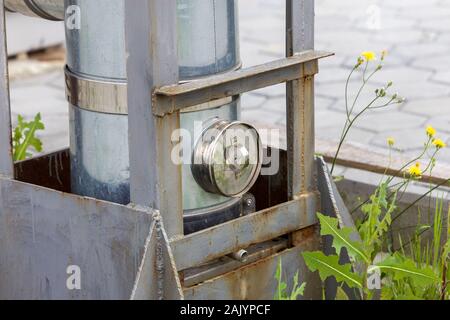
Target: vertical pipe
{"x": 207, "y": 37}
{"x": 6, "y": 158}
{"x": 98, "y": 140}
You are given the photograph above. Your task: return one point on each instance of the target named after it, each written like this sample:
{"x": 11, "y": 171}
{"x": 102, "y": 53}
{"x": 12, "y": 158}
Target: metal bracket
{"x": 173, "y": 98}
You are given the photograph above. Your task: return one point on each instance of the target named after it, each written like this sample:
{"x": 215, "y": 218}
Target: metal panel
{"x": 6, "y": 162}
{"x": 157, "y": 278}
{"x": 42, "y": 232}
{"x": 175, "y": 97}
{"x": 300, "y": 100}
{"x": 194, "y": 276}
{"x": 155, "y": 179}
{"x": 333, "y": 205}
{"x": 257, "y": 281}
{"x": 145, "y": 287}
{"x": 241, "y": 233}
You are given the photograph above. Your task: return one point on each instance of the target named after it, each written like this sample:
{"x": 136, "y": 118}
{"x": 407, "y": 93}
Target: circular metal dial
{"x": 227, "y": 159}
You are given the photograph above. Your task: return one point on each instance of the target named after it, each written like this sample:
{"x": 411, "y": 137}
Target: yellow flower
{"x": 439, "y": 143}
{"x": 415, "y": 171}
{"x": 391, "y": 142}
{"x": 431, "y": 132}
{"x": 369, "y": 55}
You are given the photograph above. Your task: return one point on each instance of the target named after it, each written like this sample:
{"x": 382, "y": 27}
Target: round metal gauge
{"x": 227, "y": 159}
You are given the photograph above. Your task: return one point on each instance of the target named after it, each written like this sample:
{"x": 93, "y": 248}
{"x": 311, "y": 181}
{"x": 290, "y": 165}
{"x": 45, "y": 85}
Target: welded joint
{"x": 160, "y": 265}
{"x": 164, "y": 265}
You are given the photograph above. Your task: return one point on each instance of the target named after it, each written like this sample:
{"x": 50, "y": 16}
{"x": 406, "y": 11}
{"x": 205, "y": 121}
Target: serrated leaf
{"x": 341, "y": 237}
{"x": 296, "y": 289}
{"x": 24, "y": 137}
{"x": 401, "y": 267}
{"x": 328, "y": 266}
{"x": 341, "y": 295}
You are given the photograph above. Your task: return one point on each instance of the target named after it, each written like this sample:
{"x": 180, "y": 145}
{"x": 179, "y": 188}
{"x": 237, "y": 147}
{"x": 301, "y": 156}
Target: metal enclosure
{"x": 139, "y": 250}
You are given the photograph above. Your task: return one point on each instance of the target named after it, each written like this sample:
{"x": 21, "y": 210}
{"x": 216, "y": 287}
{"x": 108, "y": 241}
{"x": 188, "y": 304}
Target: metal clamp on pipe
{"x": 96, "y": 95}
{"x": 47, "y": 9}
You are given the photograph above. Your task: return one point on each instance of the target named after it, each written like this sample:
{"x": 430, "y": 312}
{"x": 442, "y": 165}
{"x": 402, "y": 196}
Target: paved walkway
{"x": 415, "y": 33}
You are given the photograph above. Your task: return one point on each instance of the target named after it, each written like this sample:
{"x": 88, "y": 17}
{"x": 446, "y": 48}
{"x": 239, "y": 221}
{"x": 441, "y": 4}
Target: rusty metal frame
{"x": 173, "y": 98}
{"x": 155, "y": 101}
{"x": 6, "y": 158}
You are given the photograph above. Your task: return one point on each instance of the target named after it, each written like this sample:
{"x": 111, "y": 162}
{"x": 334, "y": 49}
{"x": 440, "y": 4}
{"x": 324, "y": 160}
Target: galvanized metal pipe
{"x": 96, "y": 83}
{"x": 47, "y": 9}
{"x": 208, "y": 44}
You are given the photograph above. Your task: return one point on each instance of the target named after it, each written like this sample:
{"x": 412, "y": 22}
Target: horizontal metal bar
{"x": 170, "y": 99}
{"x": 232, "y": 236}
{"x": 256, "y": 281}
{"x": 226, "y": 264}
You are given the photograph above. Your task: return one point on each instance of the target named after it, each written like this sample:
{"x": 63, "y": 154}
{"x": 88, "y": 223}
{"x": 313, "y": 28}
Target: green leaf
{"x": 24, "y": 137}
{"x": 281, "y": 288}
{"x": 341, "y": 295}
{"x": 281, "y": 293}
{"x": 341, "y": 237}
{"x": 297, "y": 290}
{"x": 401, "y": 267}
{"x": 328, "y": 266}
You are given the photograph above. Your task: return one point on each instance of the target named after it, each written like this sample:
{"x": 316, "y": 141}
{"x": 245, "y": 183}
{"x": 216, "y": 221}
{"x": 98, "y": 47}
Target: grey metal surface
{"x": 257, "y": 281}
{"x": 194, "y": 276}
{"x": 332, "y": 205}
{"x": 43, "y": 232}
{"x": 102, "y": 96}
{"x": 207, "y": 37}
{"x": 300, "y": 26}
{"x": 300, "y": 100}
{"x": 176, "y": 97}
{"x": 47, "y": 9}
{"x": 155, "y": 181}
{"x": 6, "y": 159}
{"x": 234, "y": 235}
{"x": 96, "y": 139}
{"x": 96, "y": 60}
{"x": 145, "y": 287}
{"x": 158, "y": 278}
{"x": 96, "y": 49}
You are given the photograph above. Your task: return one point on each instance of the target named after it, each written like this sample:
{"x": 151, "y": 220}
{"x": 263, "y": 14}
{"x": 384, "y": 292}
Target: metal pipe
{"x": 47, "y": 9}
{"x": 96, "y": 84}
{"x": 241, "y": 256}
{"x": 96, "y": 91}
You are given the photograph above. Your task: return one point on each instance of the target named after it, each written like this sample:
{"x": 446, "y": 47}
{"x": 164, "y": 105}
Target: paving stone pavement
{"x": 416, "y": 35}
{"x": 414, "y": 32}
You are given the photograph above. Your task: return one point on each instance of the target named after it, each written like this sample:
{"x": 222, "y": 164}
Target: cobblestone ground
{"x": 415, "y": 33}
